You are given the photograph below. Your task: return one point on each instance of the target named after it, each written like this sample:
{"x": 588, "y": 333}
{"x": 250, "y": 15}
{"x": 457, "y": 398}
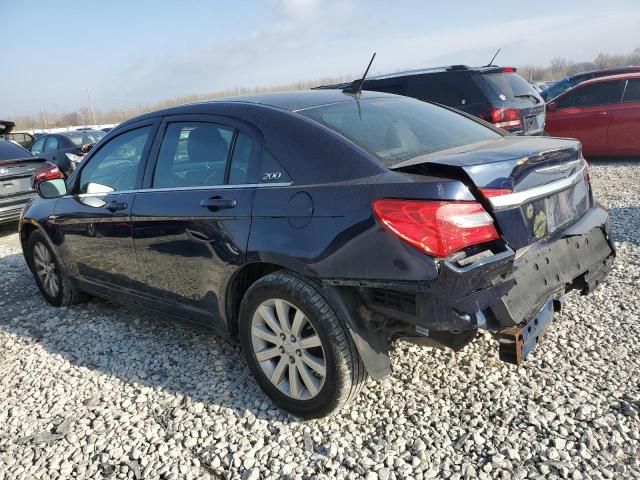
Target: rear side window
{"x": 632, "y": 93}
{"x": 36, "y": 148}
{"x": 397, "y": 129}
{"x": 455, "y": 89}
{"x": 193, "y": 154}
{"x": 251, "y": 163}
{"x": 395, "y": 88}
{"x": 601, "y": 93}
{"x": 51, "y": 144}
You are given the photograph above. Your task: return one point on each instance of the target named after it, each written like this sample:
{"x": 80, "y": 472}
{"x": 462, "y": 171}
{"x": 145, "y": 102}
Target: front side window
{"x": 398, "y": 129}
{"x": 115, "y": 166}
{"x": 632, "y": 93}
{"x": 192, "y": 154}
{"x": 37, "y": 147}
{"x": 602, "y": 93}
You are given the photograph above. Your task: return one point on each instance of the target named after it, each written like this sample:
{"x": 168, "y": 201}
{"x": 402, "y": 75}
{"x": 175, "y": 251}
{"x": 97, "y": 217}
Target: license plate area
{"x": 531, "y": 123}
{"x": 546, "y": 215}
{"x": 17, "y": 186}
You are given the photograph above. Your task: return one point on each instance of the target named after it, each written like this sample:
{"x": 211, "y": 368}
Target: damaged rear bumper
{"x": 502, "y": 292}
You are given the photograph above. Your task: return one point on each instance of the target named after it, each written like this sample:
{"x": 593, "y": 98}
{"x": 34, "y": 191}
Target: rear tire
{"x": 54, "y": 284}
{"x": 296, "y": 347}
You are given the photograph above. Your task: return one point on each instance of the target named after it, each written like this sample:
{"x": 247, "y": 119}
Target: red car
{"x": 603, "y": 113}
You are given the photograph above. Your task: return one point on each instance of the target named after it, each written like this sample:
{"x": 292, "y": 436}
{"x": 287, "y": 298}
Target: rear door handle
{"x": 217, "y": 203}
{"x": 115, "y": 206}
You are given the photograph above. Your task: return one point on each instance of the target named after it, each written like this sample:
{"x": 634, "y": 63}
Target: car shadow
{"x": 7, "y": 229}
{"x": 137, "y": 347}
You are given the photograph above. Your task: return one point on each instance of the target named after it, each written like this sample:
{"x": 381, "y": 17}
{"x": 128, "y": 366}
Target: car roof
{"x": 291, "y": 101}
{"x": 605, "y": 71}
{"x": 621, "y": 76}
{"x": 425, "y": 71}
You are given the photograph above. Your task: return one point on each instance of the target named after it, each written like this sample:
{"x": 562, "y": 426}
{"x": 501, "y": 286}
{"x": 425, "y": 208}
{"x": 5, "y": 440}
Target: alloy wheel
{"x": 46, "y": 269}
{"x": 288, "y": 349}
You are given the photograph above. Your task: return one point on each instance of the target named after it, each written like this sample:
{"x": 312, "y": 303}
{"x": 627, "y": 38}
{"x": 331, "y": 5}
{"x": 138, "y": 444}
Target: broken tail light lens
{"x": 438, "y": 228}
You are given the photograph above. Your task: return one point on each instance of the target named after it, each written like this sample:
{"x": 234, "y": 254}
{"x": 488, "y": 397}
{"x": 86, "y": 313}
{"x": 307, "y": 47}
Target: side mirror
{"x": 55, "y": 188}
{"x": 552, "y": 106}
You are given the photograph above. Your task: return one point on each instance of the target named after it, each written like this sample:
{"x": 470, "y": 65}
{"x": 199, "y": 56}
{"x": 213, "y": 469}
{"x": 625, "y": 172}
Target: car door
{"x": 94, "y": 220}
{"x": 583, "y": 113}
{"x": 191, "y": 222}
{"x": 624, "y": 121}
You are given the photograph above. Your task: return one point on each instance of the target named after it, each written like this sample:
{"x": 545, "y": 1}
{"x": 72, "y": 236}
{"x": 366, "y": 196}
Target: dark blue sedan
{"x": 316, "y": 226}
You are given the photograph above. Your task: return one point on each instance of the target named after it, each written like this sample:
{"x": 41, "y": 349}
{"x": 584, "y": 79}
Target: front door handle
{"x": 115, "y": 206}
{"x": 217, "y": 203}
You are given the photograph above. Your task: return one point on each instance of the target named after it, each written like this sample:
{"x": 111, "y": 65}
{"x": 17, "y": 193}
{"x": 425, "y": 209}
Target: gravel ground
{"x": 100, "y": 391}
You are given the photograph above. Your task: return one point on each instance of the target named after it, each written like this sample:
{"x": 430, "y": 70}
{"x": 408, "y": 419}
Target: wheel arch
{"x": 372, "y": 346}
{"x": 27, "y": 227}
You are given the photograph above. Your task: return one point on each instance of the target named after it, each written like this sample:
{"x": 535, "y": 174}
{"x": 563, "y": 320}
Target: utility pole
{"x": 93, "y": 114}
{"x": 44, "y": 118}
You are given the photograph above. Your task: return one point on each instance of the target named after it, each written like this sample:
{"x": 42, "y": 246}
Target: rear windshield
{"x": 507, "y": 86}
{"x": 84, "y": 137}
{"x": 398, "y": 129}
{"x": 11, "y": 151}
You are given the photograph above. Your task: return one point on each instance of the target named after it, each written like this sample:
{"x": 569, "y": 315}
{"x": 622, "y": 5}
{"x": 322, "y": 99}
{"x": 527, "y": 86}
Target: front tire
{"x": 296, "y": 347}
{"x": 54, "y": 284}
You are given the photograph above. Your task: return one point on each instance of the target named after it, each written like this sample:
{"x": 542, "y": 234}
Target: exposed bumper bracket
{"x": 517, "y": 342}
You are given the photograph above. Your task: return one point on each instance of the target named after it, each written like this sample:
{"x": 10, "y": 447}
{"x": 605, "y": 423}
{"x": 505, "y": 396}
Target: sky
{"x": 135, "y": 52}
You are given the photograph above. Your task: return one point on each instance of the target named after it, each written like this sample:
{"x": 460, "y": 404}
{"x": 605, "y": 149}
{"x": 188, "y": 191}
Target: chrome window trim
{"x": 518, "y": 198}
{"x": 182, "y": 189}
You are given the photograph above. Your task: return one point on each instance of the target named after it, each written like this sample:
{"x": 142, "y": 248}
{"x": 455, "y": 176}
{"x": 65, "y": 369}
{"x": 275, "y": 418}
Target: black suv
{"x": 495, "y": 94}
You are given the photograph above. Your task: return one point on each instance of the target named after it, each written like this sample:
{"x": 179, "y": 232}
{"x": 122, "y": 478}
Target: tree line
{"x": 556, "y": 69}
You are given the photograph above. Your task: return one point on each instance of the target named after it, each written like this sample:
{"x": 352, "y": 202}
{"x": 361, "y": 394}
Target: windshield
{"x": 11, "y": 151}
{"x": 398, "y": 129}
{"x": 509, "y": 86}
{"x": 85, "y": 136}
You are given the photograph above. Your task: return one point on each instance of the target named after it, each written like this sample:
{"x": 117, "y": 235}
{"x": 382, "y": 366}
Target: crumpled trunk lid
{"x": 546, "y": 177}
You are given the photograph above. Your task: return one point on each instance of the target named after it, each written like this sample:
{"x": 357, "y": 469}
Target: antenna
{"x": 494, "y": 57}
{"x": 356, "y": 86}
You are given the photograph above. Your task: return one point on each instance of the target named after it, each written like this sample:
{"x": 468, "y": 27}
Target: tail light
{"x": 507, "y": 118}
{"x": 435, "y": 227}
{"x": 47, "y": 173}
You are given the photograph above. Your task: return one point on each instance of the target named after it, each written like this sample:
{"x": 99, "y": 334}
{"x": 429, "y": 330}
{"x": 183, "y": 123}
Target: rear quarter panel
{"x": 337, "y": 236}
